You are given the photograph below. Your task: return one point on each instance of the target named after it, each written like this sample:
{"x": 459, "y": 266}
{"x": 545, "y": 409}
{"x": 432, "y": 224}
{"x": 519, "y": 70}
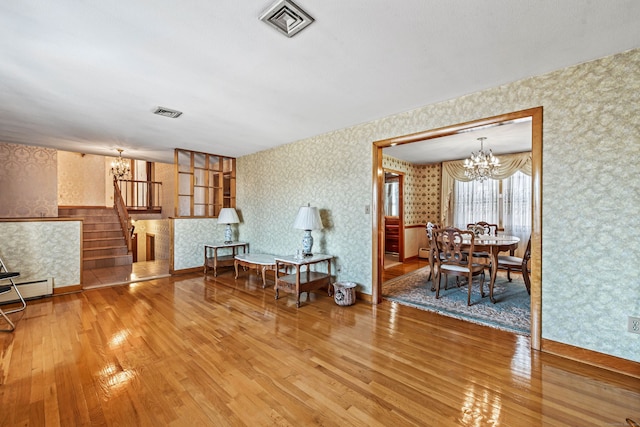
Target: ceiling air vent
{"x": 167, "y": 112}
{"x": 286, "y": 17}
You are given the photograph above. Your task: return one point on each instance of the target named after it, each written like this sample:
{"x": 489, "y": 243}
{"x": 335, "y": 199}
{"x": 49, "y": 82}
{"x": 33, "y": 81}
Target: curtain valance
{"x": 509, "y": 164}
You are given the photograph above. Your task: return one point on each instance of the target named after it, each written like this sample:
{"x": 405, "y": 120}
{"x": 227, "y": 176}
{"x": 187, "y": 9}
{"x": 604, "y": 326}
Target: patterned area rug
{"x": 511, "y": 312}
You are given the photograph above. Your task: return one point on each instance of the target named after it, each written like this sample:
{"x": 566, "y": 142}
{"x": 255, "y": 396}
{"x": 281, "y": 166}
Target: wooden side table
{"x": 212, "y": 259}
{"x": 260, "y": 262}
{"x": 303, "y": 280}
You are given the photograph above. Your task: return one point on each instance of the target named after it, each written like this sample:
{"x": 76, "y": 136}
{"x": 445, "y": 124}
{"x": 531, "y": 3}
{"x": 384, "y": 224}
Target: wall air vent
{"x": 167, "y": 112}
{"x": 286, "y": 17}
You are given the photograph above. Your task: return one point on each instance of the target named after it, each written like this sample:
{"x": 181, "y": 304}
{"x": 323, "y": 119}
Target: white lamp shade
{"x": 228, "y": 216}
{"x": 308, "y": 218}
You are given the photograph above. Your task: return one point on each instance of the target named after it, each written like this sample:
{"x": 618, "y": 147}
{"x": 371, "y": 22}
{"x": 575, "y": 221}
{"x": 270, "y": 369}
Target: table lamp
{"x": 308, "y": 219}
{"x": 228, "y": 216}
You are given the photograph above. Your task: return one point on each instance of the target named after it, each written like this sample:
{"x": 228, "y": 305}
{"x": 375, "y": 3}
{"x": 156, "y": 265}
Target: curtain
{"x": 476, "y": 201}
{"x": 454, "y": 170}
{"x": 516, "y": 193}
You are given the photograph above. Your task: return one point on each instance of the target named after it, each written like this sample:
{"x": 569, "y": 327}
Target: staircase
{"x": 103, "y": 239}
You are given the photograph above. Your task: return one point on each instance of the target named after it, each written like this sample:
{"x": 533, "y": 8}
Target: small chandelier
{"x": 120, "y": 168}
{"x": 481, "y": 165}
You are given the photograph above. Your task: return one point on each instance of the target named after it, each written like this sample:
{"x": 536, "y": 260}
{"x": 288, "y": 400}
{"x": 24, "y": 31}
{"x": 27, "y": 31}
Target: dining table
{"x": 493, "y": 245}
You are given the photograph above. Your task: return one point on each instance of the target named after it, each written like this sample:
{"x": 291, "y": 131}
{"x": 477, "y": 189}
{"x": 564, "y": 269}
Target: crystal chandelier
{"x": 120, "y": 167}
{"x": 481, "y": 165}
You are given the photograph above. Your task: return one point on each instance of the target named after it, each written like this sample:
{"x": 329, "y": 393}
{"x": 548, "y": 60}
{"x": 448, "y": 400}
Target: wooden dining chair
{"x": 453, "y": 246}
{"x": 429, "y": 229}
{"x": 487, "y": 230}
{"x": 513, "y": 263}
{"x": 7, "y": 285}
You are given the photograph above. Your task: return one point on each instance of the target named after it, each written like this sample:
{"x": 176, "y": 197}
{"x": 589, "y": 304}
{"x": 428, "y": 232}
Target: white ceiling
{"x": 512, "y": 137}
{"x": 84, "y": 76}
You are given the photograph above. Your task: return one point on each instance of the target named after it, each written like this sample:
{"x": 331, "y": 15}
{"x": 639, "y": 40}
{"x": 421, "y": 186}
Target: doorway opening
{"x": 430, "y": 136}
{"x": 151, "y": 247}
{"x": 393, "y": 218}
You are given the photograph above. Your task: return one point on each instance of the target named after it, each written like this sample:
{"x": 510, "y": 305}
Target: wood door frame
{"x": 400, "y": 213}
{"x": 536, "y": 202}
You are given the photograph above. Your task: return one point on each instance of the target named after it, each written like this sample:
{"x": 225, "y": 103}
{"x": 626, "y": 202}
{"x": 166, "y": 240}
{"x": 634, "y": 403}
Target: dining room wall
{"x": 590, "y": 193}
{"x": 421, "y": 192}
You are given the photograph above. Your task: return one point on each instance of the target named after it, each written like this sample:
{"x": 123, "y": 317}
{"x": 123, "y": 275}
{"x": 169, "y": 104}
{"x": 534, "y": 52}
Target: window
{"x": 505, "y": 202}
{"x": 205, "y": 183}
{"x": 391, "y": 194}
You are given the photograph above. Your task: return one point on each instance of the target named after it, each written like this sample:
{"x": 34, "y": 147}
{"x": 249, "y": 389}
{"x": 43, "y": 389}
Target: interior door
{"x": 393, "y": 226}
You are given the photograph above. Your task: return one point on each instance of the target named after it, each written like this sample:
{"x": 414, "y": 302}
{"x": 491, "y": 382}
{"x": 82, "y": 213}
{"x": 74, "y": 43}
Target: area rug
{"x": 511, "y": 312}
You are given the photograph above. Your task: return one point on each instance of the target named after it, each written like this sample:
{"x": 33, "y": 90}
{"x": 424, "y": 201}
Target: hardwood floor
{"x": 189, "y": 350}
{"x": 407, "y": 266}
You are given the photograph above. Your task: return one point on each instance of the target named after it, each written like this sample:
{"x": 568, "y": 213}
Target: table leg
{"x": 298, "y": 285}
{"x": 215, "y": 262}
{"x": 275, "y": 279}
{"x": 205, "y": 260}
{"x": 264, "y": 281}
{"x": 329, "y": 287}
{"x": 494, "y": 271}
{"x": 235, "y": 265}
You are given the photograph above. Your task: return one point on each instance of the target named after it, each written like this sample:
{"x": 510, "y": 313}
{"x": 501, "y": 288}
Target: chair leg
{"x": 24, "y": 304}
{"x": 527, "y": 279}
{"x": 509, "y": 273}
{"x": 11, "y": 325}
{"x": 470, "y": 280}
{"x": 433, "y": 274}
{"x": 438, "y": 279}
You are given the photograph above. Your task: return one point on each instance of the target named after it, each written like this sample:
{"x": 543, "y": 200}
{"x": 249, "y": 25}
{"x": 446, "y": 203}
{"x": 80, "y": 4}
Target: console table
{"x": 260, "y": 262}
{"x": 212, "y": 259}
{"x": 303, "y": 280}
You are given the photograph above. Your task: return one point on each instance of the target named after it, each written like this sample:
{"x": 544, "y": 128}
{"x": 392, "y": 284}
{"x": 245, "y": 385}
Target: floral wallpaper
{"x": 421, "y": 190}
{"x": 80, "y": 180}
{"x": 28, "y": 186}
{"x": 43, "y": 249}
{"x": 189, "y": 237}
{"x": 161, "y": 229}
{"x": 328, "y": 172}
{"x": 165, "y": 173}
{"x": 591, "y": 193}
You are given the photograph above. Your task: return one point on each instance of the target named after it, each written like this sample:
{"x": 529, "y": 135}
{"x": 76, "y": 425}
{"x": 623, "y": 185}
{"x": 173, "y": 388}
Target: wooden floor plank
{"x": 189, "y": 350}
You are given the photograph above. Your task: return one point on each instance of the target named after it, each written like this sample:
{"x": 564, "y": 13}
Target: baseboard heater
{"x": 30, "y": 290}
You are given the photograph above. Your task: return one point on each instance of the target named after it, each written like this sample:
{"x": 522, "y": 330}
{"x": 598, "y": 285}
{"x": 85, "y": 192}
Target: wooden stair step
{"x": 106, "y": 261}
{"x": 103, "y": 242}
{"x": 98, "y": 226}
{"x": 105, "y": 251}
{"x": 99, "y": 234}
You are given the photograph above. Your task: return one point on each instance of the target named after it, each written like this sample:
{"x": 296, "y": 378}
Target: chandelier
{"x": 120, "y": 167}
{"x": 481, "y": 165}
